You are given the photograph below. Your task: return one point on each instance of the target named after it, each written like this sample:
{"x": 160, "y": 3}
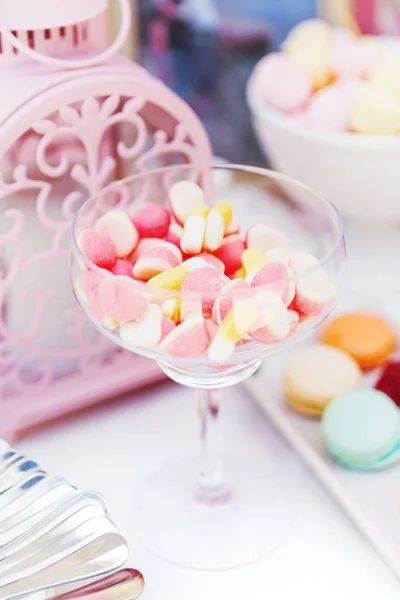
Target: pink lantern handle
{"x": 125, "y": 13}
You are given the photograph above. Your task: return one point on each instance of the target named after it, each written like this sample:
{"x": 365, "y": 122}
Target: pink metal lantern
{"x": 71, "y": 121}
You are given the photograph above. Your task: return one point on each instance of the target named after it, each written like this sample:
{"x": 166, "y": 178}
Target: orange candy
{"x": 366, "y": 337}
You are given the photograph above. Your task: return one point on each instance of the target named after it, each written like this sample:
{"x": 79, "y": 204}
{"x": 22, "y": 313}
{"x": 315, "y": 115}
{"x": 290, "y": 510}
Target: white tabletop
{"x": 112, "y": 448}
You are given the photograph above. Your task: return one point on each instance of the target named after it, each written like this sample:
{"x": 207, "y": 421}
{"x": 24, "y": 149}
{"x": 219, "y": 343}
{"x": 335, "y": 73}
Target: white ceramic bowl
{"x": 359, "y": 173}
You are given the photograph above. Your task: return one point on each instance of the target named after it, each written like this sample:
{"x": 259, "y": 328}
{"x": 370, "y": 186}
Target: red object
{"x": 389, "y": 382}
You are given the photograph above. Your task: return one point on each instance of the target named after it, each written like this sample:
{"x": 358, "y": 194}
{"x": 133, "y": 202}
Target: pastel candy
{"x": 205, "y": 281}
{"x": 273, "y": 324}
{"x": 375, "y": 110}
{"x": 151, "y": 220}
{"x": 263, "y": 237}
{"x": 121, "y": 298}
{"x": 329, "y": 108}
{"x": 314, "y": 290}
{"x": 98, "y": 247}
{"x": 386, "y": 74}
{"x": 278, "y": 278}
{"x": 201, "y": 210}
{"x": 184, "y": 196}
{"x": 226, "y": 212}
{"x": 193, "y": 234}
{"x": 234, "y": 226}
{"x": 187, "y": 340}
{"x": 283, "y": 83}
{"x": 230, "y": 252}
{"x": 236, "y": 288}
{"x": 153, "y": 261}
{"x": 87, "y": 282}
{"x": 171, "y": 309}
{"x": 167, "y": 325}
{"x": 117, "y": 225}
{"x": 351, "y": 56}
{"x": 309, "y": 45}
{"x": 147, "y": 243}
{"x": 122, "y": 267}
{"x": 214, "y": 230}
{"x": 213, "y": 261}
{"x": 175, "y": 232}
{"x": 146, "y": 332}
{"x": 169, "y": 280}
{"x": 253, "y": 260}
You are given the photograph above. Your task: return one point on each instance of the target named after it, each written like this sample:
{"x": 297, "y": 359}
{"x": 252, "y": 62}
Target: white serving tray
{"x": 370, "y": 500}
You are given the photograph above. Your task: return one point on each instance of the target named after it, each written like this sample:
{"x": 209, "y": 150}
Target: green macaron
{"x": 361, "y": 429}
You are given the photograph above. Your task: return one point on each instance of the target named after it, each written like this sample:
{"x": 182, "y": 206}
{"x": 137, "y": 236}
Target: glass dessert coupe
{"x": 211, "y": 513}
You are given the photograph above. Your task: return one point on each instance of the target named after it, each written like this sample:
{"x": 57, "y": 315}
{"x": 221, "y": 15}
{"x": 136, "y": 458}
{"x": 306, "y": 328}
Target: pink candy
{"x": 98, "y": 247}
{"x": 314, "y": 290}
{"x": 230, "y": 252}
{"x": 87, "y": 282}
{"x": 174, "y": 235}
{"x": 213, "y": 260}
{"x": 117, "y": 225}
{"x": 187, "y": 340}
{"x": 283, "y": 82}
{"x": 235, "y": 289}
{"x": 151, "y": 220}
{"x": 153, "y": 261}
{"x": 122, "y": 267}
{"x": 167, "y": 325}
{"x": 205, "y": 280}
{"x": 278, "y": 278}
{"x": 121, "y": 299}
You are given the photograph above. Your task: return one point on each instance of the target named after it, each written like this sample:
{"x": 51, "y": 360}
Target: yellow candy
{"x": 240, "y": 274}
{"x": 375, "y": 110}
{"x": 169, "y": 280}
{"x": 253, "y": 259}
{"x": 226, "y": 212}
{"x": 312, "y": 33}
{"x": 387, "y": 74}
{"x": 309, "y": 44}
{"x": 201, "y": 210}
{"x": 171, "y": 308}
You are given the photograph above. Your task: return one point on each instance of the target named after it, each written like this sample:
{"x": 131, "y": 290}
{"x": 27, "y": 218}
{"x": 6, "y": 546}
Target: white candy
{"x": 193, "y": 235}
{"x": 184, "y": 196}
{"x": 263, "y": 237}
{"x": 214, "y": 233}
{"x": 146, "y": 332}
{"x": 196, "y": 262}
{"x": 221, "y": 348}
{"x": 314, "y": 289}
{"x": 120, "y": 229}
{"x": 274, "y": 318}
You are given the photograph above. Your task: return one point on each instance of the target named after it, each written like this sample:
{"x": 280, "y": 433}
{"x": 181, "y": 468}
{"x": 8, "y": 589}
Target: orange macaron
{"x": 364, "y": 336}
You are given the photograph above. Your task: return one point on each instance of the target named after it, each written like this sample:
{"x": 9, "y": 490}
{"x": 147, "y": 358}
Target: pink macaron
{"x": 151, "y": 220}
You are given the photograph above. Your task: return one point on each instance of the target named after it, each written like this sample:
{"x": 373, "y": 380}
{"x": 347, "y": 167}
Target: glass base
{"x": 250, "y": 523}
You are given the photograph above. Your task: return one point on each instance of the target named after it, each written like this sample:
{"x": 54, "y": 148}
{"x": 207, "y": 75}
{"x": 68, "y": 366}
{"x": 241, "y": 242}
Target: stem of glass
{"x": 211, "y": 487}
